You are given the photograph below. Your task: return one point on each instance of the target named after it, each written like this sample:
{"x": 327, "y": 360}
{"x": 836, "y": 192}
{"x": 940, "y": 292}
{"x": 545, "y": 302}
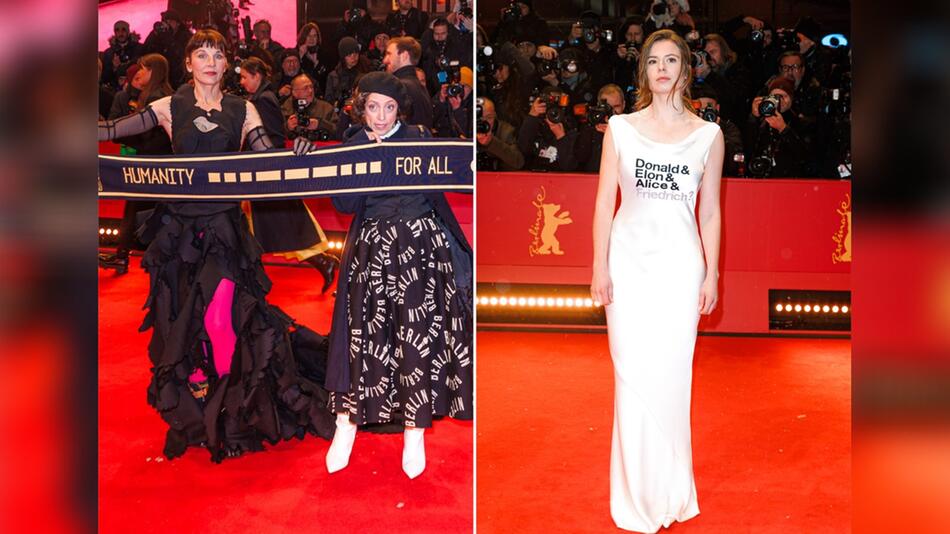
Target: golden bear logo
{"x": 842, "y": 237}
{"x": 545, "y": 225}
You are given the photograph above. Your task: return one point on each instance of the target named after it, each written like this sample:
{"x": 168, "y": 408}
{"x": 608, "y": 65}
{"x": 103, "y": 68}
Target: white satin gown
{"x": 656, "y": 266}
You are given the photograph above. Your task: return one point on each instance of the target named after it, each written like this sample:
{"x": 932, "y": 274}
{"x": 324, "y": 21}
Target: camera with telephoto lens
{"x": 786, "y": 39}
{"x": 633, "y": 51}
{"x": 547, "y": 66}
{"x": 512, "y": 13}
{"x": 450, "y": 74}
{"x": 761, "y": 166}
{"x": 484, "y": 63}
{"x": 569, "y": 66}
{"x": 300, "y": 111}
{"x": 354, "y": 16}
{"x": 590, "y": 33}
{"x": 556, "y": 106}
{"x": 481, "y": 125}
{"x": 659, "y": 8}
{"x": 769, "y": 106}
{"x": 344, "y": 104}
{"x": 598, "y": 114}
{"x": 709, "y": 113}
{"x": 161, "y": 27}
{"x": 697, "y": 46}
{"x": 757, "y": 37}
{"x": 465, "y": 9}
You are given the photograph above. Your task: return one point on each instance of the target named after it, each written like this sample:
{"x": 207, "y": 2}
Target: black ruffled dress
{"x": 274, "y": 390}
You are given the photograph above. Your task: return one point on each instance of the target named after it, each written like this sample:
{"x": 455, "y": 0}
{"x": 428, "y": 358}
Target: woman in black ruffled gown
{"x": 227, "y": 372}
{"x": 400, "y": 345}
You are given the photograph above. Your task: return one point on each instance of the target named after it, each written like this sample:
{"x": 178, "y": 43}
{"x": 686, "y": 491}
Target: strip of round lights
{"x": 537, "y": 302}
{"x": 812, "y": 308}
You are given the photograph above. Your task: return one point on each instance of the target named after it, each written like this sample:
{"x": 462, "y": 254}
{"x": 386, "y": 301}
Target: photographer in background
{"x": 441, "y": 46}
{"x": 725, "y": 63}
{"x": 547, "y": 135}
{"x": 775, "y": 147}
{"x": 255, "y": 80}
{"x": 595, "y": 45}
{"x": 669, "y": 14}
{"x": 313, "y": 59}
{"x": 753, "y": 40}
{"x": 630, "y": 37}
{"x": 402, "y": 56}
{"x": 124, "y": 50}
{"x": 514, "y": 77}
{"x": 356, "y": 24}
{"x": 497, "y": 148}
{"x": 807, "y": 97}
{"x": 590, "y": 140}
{"x": 262, "y": 29}
{"x": 377, "y": 48}
{"x": 169, "y": 37}
{"x": 709, "y": 110}
{"x": 289, "y": 68}
{"x": 406, "y": 20}
{"x": 452, "y": 115}
{"x": 307, "y": 116}
{"x": 352, "y": 65}
{"x": 520, "y": 23}
{"x": 574, "y": 79}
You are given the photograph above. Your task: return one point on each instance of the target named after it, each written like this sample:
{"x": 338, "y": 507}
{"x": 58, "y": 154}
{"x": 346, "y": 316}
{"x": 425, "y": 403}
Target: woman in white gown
{"x": 656, "y": 270}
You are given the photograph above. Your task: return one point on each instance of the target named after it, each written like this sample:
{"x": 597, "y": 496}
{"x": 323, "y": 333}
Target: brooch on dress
{"x": 204, "y": 125}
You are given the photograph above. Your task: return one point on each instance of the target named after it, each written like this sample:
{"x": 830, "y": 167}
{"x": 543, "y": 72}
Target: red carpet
{"x": 770, "y": 420}
{"x": 285, "y": 489}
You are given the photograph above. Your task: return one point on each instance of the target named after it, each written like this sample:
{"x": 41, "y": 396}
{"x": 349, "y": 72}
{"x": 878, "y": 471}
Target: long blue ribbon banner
{"x": 387, "y": 167}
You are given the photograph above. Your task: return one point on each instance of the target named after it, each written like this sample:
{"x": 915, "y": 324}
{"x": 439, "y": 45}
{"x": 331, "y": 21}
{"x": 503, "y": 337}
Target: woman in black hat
{"x": 400, "y": 344}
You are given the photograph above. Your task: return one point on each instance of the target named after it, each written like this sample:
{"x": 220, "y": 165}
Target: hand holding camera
{"x": 538, "y": 107}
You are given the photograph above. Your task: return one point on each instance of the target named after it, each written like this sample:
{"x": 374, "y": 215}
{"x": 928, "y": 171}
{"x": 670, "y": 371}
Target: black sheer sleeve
{"x": 133, "y": 124}
{"x": 257, "y": 139}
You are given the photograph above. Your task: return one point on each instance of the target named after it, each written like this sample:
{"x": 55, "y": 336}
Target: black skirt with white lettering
{"x": 409, "y": 353}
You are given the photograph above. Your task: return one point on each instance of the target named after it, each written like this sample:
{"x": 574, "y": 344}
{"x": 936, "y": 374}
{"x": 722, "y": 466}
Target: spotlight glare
{"x": 778, "y": 307}
{"x": 589, "y": 303}
{"x": 483, "y": 301}
{"x": 532, "y": 301}
{"x": 569, "y": 303}
{"x": 798, "y": 307}
{"x": 807, "y": 307}
{"x": 826, "y": 308}
{"x": 559, "y": 302}
{"x": 788, "y": 307}
{"x": 844, "y": 309}
{"x": 102, "y": 231}
{"x": 835, "y": 308}
{"x": 549, "y": 301}
{"x": 493, "y": 301}
{"x": 503, "y": 301}
{"x": 522, "y": 301}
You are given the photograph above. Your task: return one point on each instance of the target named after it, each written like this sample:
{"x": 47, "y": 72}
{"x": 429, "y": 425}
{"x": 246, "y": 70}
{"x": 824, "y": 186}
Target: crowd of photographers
{"x": 780, "y": 95}
{"x": 306, "y": 89}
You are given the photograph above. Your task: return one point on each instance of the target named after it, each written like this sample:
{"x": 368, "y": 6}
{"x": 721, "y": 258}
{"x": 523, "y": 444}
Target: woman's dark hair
{"x": 305, "y": 31}
{"x": 513, "y": 96}
{"x": 158, "y": 82}
{"x": 255, "y": 65}
{"x": 206, "y": 37}
{"x": 635, "y": 20}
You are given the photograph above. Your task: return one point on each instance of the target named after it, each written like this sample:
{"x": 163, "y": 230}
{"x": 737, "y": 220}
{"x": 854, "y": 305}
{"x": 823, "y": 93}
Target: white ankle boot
{"x": 413, "y": 452}
{"x": 339, "y": 454}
